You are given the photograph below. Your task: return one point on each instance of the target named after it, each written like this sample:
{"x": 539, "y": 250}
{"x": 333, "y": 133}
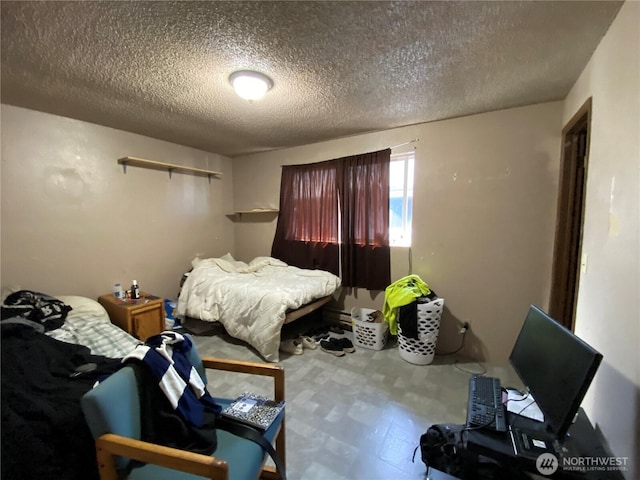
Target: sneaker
{"x": 345, "y": 344}
{"x": 307, "y": 342}
{"x": 331, "y": 347}
{"x": 323, "y": 336}
{"x": 319, "y": 333}
{"x": 291, "y": 346}
{"x": 337, "y": 329}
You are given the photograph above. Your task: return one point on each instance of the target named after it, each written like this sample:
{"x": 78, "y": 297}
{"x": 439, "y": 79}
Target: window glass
{"x": 401, "y": 198}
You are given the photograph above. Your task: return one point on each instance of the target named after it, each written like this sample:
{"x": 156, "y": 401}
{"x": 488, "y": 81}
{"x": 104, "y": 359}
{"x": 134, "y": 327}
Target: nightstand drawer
{"x": 142, "y": 319}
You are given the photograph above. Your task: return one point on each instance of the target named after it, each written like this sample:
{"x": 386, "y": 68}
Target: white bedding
{"x": 251, "y": 300}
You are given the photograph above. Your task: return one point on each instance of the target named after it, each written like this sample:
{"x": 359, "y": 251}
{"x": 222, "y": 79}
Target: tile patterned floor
{"x": 357, "y": 417}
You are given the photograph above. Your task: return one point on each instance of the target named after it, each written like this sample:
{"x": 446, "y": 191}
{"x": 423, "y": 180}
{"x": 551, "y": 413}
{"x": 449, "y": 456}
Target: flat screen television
{"x": 556, "y": 366}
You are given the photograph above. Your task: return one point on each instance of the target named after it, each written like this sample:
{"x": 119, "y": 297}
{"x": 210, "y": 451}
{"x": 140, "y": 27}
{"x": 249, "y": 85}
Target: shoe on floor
{"x": 345, "y": 344}
{"x": 330, "y": 346}
{"x": 307, "y": 342}
{"x": 337, "y": 329}
{"x": 291, "y": 346}
{"x": 319, "y": 335}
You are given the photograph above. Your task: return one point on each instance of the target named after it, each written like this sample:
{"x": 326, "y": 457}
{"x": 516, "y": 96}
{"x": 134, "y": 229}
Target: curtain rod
{"x": 405, "y": 143}
{"x": 395, "y": 146}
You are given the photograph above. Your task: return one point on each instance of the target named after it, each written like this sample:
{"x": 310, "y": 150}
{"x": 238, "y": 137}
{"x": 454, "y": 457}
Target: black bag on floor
{"x": 440, "y": 446}
{"x": 443, "y": 448}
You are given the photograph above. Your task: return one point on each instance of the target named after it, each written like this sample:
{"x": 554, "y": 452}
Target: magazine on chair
{"x": 254, "y": 410}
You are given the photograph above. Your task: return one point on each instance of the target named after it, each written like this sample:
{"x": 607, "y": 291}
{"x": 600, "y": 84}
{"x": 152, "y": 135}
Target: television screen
{"x": 556, "y": 366}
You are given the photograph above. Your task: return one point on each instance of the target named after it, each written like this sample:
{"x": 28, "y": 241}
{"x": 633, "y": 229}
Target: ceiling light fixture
{"x": 250, "y": 85}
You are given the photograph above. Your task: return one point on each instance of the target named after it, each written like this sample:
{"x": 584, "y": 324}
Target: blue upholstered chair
{"x": 112, "y": 410}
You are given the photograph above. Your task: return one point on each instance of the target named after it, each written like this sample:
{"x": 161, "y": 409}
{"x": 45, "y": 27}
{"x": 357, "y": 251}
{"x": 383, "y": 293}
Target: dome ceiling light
{"x": 250, "y": 85}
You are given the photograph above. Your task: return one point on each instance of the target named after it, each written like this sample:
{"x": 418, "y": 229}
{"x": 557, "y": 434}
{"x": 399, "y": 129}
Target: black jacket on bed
{"x": 44, "y": 433}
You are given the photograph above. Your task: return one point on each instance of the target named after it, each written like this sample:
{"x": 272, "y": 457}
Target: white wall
{"x": 608, "y": 313}
{"x": 484, "y": 216}
{"x": 73, "y": 223}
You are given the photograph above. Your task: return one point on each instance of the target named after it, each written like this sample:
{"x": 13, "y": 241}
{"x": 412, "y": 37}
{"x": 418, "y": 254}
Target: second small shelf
{"x": 256, "y": 210}
{"x": 260, "y": 212}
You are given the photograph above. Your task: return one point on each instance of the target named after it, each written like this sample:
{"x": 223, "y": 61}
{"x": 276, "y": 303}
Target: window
{"x": 400, "y": 199}
{"x": 334, "y": 215}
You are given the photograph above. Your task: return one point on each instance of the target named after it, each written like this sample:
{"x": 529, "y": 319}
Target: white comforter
{"x": 251, "y": 300}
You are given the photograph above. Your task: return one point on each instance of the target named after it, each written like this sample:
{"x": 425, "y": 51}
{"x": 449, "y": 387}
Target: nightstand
{"x": 141, "y": 318}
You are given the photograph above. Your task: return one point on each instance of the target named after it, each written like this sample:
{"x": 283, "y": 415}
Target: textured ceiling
{"x": 339, "y": 68}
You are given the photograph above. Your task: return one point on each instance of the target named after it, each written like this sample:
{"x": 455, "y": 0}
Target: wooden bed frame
{"x": 306, "y": 309}
{"x": 201, "y": 327}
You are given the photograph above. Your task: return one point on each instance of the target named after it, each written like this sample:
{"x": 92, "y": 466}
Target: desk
{"x": 581, "y": 446}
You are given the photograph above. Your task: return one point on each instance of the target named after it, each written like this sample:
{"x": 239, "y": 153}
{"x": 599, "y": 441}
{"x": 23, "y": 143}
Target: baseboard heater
{"x": 332, "y": 315}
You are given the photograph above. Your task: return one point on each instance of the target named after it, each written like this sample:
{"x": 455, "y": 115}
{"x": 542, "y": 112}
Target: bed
{"x": 253, "y": 300}
{"x": 88, "y": 324}
{"x": 44, "y": 434}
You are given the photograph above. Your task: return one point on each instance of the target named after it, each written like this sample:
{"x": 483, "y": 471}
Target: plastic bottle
{"x": 135, "y": 290}
{"x": 118, "y": 292}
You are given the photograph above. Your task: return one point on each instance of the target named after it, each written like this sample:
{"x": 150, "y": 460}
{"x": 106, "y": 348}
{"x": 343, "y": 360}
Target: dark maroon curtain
{"x": 334, "y": 215}
{"x": 363, "y": 182}
{"x": 307, "y": 231}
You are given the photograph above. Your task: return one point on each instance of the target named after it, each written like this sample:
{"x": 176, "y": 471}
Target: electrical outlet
{"x": 464, "y": 328}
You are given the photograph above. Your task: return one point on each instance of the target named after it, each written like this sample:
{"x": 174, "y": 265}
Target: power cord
{"x": 464, "y": 330}
{"x": 518, "y": 414}
{"x": 484, "y": 370}
{"x": 506, "y": 390}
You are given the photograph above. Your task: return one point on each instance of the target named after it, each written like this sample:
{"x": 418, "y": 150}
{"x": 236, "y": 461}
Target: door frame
{"x": 567, "y": 254}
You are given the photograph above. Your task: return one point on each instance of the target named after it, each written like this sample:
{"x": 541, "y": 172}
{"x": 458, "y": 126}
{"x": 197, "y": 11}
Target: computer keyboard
{"x": 485, "y": 408}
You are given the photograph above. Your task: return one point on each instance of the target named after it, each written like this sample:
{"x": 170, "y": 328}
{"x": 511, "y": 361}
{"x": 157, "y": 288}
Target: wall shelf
{"x": 256, "y": 211}
{"x": 169, "y": 167}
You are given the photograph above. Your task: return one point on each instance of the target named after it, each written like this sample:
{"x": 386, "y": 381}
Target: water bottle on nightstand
{"x": 118, "y": 292}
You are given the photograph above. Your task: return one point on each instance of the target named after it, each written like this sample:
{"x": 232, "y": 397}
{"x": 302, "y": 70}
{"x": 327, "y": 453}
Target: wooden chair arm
{"x": 109, "y": 444}
{"x": 264, "y": 369}
{"x": 251, "y": 368}
{"x": 242, "y": 366}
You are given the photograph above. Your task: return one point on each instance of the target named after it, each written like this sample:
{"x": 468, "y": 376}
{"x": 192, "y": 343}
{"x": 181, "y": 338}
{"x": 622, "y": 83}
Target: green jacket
{"x": 399, "y": 293}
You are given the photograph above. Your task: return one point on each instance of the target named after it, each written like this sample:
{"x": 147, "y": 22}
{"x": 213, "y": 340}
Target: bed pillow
{"x": 228, "y": 257}
{"x": 38, "y": 307}
{"x": 83, "y": 307}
